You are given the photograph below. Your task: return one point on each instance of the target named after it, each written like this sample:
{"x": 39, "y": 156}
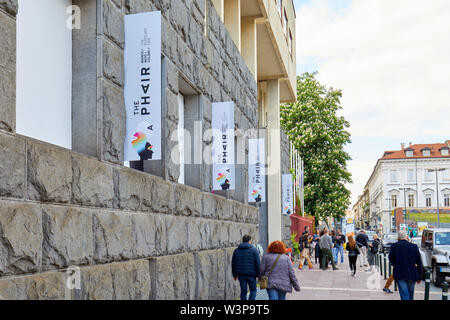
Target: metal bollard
{"x": 384, "y": 261}
{"x": 444, "y": 290}
{"x": 381, "y": 263}
{"x": 427, "y": 285}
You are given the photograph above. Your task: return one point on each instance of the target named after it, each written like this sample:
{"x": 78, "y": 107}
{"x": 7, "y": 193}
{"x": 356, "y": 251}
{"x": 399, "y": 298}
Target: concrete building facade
{"x": 141, "y": 234}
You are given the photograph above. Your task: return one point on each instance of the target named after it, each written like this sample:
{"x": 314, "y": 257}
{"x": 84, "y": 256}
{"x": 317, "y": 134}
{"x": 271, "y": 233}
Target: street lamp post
{"x": 389, "y": 201}
{"x": 437, "y": 191}
{"x": 404, "y": 201}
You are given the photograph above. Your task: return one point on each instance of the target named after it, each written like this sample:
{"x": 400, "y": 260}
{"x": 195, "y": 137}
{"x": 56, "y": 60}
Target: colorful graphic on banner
{"x": 222, "y": 125}
{"x": 256, "y": 170}
{"x": 142, "y": 92}
{"x": 287, "y": 193}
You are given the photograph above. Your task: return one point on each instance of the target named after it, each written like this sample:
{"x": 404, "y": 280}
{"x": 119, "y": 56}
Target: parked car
{"x": 435, "y": 253}
{"x": 387, "y": 241}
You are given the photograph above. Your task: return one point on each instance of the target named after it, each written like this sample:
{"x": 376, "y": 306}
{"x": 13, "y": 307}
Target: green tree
{"x": 317, "y": 131}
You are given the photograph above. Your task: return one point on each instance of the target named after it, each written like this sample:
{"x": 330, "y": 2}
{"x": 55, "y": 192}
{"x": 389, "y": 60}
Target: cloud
{"x": 392, "y": 61}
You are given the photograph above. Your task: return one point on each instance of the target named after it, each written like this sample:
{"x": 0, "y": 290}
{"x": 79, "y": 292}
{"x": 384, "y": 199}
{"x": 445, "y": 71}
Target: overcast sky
{"x": 391, "y": 58}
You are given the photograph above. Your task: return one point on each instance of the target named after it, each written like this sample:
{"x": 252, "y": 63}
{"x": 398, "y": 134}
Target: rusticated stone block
{"x": 49, "y": 173}
{"x": 144, "y": 231}
{"x": 162, "y": 195}
{"x": 196, "y": 237}
{"x": 8, "y": 66}
{"x": 209, "y": 206}
{"x": 223, "y": 208}
{"x": 113, "y": 123}
{"x": 174, "y": 277}
{"x": 211, "y": 275}
{"x": 160, "y": 235}
{"x": 132, "y": 188}
{"x": 20, "y": 238}
{"x": 118, "y": 281}
{"x": 113, "y": 67}
{"x": 239, "y": 211}
{"x": 113, "y": 23}
{"x": 92, "y": 182}
{"x": 188, "y": 201}
{"x": 113, "y": 236}
{"x": 176, "y": 233}
{"x": 9, "y": 6}
{"x": 231, "y": 287}
{"x": 68, "y": 237}
{"x": 44, "y": 286}
{"x": 252, "y": 214}
{"x": 12, "y": 166}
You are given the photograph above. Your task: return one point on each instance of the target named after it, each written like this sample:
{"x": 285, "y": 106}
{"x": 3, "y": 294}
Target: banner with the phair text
{"x": 256, "y": 171}
{"x": 287, "y": 194}
{"x": 142, "y": 91}
{"x": 222, "y": 125}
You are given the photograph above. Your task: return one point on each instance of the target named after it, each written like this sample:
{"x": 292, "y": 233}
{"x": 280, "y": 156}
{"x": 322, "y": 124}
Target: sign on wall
{"x": 222, "y": 124}
{"x": 287, "y": 194}
{"x": 256, "y": 171}
{"x": 142, "y": 91}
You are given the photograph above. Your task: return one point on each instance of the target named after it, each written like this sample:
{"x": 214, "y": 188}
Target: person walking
{"x": 333, "y": 250}
{"x": 316, "y": 246}
{"x": 340, "y": 240}
{"x": 388, "y": 284}
{"x": 326, "y": 244}
{"x": 362, "y": 241}
{"x": 353, "y": 252}
{"x": 277, "y": 266}
{"x": 408, "y": 267}
{"x": 306, "y": 251}
{"x": 374, "y": 247}
{"x": 245, "y": 265}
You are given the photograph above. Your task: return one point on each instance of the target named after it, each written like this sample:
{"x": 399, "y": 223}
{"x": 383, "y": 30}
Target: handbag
{"x": 264, "y": 280}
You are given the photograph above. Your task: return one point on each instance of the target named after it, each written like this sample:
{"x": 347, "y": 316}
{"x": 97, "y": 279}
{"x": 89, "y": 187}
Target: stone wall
{"x": 134, "y": 235}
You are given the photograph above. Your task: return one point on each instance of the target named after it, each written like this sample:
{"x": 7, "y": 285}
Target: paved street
{"x": 340, "y": 285}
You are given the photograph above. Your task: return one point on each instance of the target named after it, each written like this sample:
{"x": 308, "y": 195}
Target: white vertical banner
{"x": 142, "y": 92}
{"x": 287, "y": 194}
{"x": 222, "y": 124}
{"x": 256, "y": 171}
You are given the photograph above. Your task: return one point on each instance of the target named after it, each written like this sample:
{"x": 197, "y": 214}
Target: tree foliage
{"x": 317, "y": 131}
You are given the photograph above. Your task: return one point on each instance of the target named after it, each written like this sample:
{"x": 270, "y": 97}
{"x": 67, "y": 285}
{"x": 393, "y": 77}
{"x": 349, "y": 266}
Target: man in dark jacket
{"x": 362, "y": 241}
{"x": 408, "y": 268}
{"x": 372, "y": 251}
{"x": 245, "y": 267}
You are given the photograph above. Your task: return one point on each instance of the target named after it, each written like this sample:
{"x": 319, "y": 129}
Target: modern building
{"x": 412, "y": 177}
{"x": 67, "y": 197}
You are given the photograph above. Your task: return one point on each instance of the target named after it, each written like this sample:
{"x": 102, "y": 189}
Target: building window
{"x": 280, "y": 6}
{"x": 428, "y": 175}
{"x": 447, "y": 200}
{"x": 444, "y": 152}
{"x": 411, "y": 200}
{"x": 394, "y": 201}
{"x": 426, "y": 152}
{"x": 409, "y": 153}
{"x": 393, "y": 175}
{"x": 410, "y": 175}
{"x": 290, "y": 42}
{"x": 285, "y": 23}
{"x": 428, "y": 200}
{"x": 445, "y": 175}
{"x": 44, "y": 71}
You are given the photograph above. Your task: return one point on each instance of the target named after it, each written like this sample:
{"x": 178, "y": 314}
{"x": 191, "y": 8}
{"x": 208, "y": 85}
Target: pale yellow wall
{"x": 219, "y": 6}
{"x": 273, "y": 159}
{"x": 249, "y": 46}
{"x": 232, "y": 20}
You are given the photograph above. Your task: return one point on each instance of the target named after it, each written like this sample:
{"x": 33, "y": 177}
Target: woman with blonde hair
{"x": 353, "y": 251}
{"x": 277, "y": 266}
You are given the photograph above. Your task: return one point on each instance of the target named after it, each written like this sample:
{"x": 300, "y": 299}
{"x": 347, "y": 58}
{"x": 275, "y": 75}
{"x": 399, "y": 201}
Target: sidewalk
{"x": 317, "y": 284}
